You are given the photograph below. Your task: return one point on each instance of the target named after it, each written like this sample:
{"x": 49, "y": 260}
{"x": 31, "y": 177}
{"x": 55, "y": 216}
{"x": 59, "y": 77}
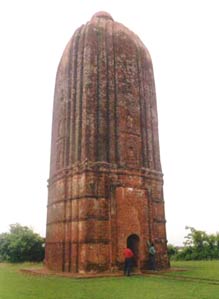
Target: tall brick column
{"x": 106, "y": 184}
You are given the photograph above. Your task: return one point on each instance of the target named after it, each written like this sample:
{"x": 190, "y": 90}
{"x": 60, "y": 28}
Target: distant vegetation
{"x": 21, "y": 244}
{"x": 198, "y": 246}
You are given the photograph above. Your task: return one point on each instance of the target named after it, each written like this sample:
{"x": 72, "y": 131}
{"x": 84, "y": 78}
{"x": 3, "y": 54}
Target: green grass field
{"x": 199, "y": 280}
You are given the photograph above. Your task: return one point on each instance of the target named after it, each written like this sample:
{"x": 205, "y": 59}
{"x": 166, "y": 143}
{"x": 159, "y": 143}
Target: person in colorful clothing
{"x": 128, "y": 254}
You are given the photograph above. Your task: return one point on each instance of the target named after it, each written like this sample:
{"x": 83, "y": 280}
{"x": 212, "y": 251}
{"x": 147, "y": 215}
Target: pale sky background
{"x": 182, "y": 37}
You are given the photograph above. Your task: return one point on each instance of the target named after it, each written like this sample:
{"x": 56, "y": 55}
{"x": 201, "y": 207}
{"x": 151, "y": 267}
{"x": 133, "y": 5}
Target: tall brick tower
{"x": 106, "y": 184}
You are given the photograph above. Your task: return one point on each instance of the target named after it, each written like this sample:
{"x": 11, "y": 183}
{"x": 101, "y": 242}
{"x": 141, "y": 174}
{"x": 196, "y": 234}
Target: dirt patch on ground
{"x": 44, "y": 271}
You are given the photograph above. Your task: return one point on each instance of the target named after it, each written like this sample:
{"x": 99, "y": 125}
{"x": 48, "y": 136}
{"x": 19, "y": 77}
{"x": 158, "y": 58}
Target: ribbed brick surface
{"x": 105, "y": 176}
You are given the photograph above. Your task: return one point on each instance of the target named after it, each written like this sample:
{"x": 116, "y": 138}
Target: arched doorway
{"x": 133, "y": 243}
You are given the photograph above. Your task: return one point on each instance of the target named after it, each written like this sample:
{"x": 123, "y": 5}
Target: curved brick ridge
{"x": 106, "y": 183}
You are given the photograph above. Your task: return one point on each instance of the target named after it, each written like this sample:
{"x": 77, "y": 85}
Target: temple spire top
{"x": 102, "y": 14}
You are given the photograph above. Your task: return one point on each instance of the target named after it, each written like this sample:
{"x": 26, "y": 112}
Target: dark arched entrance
{"x": 133, "y": 244}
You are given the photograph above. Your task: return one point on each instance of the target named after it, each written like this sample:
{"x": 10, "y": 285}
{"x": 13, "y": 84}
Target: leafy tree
{"x": 199, "y": 246}
{"x": 4, "y": 243}
{"x": 21, "y": 244}
{"x": 171, "y": 250}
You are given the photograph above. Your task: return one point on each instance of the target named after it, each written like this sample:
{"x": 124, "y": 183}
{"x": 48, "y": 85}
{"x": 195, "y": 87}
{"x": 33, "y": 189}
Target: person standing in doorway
{"x": 128, "y": 254}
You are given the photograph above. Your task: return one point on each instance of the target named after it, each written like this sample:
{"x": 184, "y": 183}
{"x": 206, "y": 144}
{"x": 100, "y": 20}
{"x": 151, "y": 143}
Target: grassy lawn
{"x": 173, "y": 285}
{"x": 208, "y": 270}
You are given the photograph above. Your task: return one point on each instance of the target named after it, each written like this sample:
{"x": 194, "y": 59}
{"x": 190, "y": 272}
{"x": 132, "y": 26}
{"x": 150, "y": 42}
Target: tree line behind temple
{"x": 198, "y": 245}
{"x": 21, "y": 244}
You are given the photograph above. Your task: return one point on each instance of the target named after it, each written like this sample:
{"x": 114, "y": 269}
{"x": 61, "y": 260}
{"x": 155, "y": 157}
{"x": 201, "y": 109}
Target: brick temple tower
{"x": 106, "y": 184}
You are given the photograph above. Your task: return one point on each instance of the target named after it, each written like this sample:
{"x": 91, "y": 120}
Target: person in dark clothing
{"x": 128, "y": 254}
{"x": 152, "y": 252}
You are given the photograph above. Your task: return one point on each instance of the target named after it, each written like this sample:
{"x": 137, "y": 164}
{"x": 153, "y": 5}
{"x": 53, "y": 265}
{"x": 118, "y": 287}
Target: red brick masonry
{"x": 106, "y": 182}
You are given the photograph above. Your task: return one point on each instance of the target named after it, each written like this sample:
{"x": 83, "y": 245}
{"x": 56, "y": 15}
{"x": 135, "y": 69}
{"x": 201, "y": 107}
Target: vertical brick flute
{"x": 106, "y": 183}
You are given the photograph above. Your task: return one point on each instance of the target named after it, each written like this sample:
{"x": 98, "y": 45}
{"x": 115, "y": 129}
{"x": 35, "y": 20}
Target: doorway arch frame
{"x": 133, "y": 242}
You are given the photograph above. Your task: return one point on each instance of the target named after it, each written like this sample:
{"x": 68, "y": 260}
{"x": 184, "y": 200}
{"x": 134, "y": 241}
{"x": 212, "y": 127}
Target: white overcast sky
{"x": 182, "y": 37}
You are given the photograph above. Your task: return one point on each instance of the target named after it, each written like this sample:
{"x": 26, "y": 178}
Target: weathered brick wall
{"x": 105, "y": 176}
